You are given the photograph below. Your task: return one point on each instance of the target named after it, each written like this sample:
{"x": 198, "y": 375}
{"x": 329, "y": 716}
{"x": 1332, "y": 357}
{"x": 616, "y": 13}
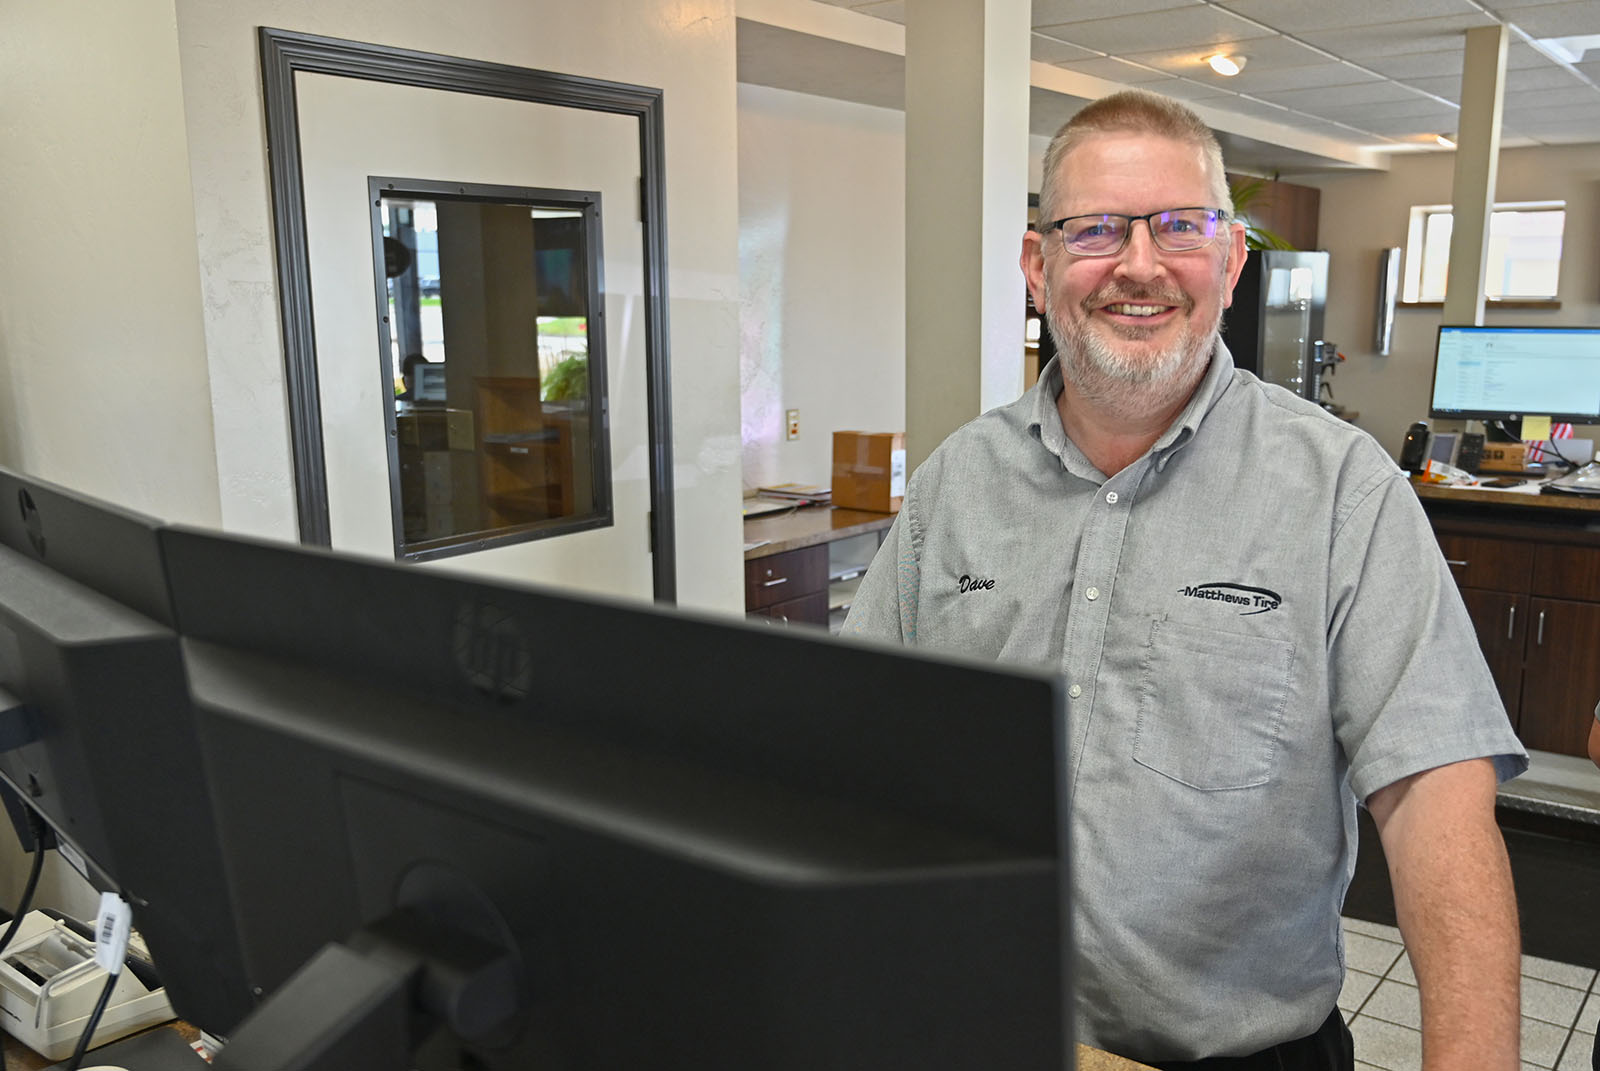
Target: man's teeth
{"x": 1136, "y": 310}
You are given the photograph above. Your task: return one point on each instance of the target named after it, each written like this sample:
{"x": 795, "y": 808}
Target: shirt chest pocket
{"x": 1211, "y": 706}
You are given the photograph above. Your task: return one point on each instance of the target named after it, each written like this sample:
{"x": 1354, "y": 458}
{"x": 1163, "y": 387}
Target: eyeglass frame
{"x": 1224, "y": 219}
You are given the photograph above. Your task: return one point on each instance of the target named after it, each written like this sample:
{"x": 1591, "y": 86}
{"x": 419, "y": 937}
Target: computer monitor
{"x": 99, "y": 736}
{"x": 566, "y": 817}
{"x": 1506, "y": 373}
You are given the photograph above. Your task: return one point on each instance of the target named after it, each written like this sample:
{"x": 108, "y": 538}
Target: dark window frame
{"x": 285, "y": 53}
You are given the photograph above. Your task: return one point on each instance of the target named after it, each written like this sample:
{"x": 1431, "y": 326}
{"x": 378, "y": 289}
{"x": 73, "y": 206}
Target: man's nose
{"x": 1139, "y": 259}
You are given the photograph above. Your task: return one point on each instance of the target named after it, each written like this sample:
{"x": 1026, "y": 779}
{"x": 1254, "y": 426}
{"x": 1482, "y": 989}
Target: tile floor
{"x": 1560, "y": 1005}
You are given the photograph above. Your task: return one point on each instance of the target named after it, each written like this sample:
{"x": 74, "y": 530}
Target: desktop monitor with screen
{"x": 99, "y": 736}
{"x": 1506, "y": 373}
{"x": 522, "y": 829}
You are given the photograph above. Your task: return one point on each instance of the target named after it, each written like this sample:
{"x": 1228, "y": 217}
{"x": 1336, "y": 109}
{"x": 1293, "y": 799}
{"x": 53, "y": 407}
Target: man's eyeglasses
{"x": 1177, "y": 230}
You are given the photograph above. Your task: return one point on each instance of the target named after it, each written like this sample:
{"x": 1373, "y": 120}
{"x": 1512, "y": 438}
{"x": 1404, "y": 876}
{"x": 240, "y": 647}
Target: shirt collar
{"x": 1044, "y": 419}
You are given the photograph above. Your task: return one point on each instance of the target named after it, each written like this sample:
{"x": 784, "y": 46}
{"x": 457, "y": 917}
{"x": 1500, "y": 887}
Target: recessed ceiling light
{"x": 1445, "y": 141}
{"x": 1227, "y": 65}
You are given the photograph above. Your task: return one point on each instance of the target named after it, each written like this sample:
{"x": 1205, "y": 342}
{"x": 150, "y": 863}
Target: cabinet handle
{"x": 1540, "y": 641}
{"x": 1453, "y": 561}
{"x": 1511, "y": 622}
{"x": 774, "y": 583}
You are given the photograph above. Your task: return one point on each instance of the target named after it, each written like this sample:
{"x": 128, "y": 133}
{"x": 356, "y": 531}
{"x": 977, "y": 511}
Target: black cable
{"x": 94, "y": 1021}
{"x": 33, "y": 878}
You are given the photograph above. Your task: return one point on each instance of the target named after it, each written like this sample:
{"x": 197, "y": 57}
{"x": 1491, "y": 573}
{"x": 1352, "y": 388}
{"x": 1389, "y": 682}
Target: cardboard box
{"x": 1504, "y": 457}
{"x": 869, "y": 470}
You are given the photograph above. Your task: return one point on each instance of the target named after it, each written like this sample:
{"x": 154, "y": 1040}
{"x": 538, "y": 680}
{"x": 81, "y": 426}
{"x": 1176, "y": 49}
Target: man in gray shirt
{"x": 1255, "y": 627}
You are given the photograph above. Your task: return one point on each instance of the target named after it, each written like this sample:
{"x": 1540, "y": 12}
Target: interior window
{"x": 493, "y": 360}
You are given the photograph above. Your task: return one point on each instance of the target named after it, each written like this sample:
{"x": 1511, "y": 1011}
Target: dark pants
{"x": 1329, "y": 1049}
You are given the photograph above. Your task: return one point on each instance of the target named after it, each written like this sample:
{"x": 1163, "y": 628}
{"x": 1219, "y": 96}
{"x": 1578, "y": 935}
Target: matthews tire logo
{"x": 1250, "y": 600}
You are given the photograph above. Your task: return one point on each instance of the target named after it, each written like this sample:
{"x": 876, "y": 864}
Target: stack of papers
{"x": 798, "y": 492}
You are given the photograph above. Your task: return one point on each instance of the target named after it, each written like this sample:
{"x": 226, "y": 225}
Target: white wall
{"x": 102, "y": 357}
{"x": 1362, "y": 214}
{"x": 822, "y": 277}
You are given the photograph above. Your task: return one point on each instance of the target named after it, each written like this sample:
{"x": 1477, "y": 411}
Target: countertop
{"x": 808, "y": 526}
{"x": 1488, "y": 496}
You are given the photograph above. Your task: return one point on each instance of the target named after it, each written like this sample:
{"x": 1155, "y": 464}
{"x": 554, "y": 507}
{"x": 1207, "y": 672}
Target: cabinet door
{"x": 787, "y": 575}
{"x": 1561, "y": 679}
{"x": 1501, "y": 620}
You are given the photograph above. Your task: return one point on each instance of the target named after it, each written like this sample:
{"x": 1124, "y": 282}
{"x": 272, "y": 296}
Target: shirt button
{"x": 1075, "y": 691}
{"x": 1111, "y": 497}
{"x": 1092, "y": 594}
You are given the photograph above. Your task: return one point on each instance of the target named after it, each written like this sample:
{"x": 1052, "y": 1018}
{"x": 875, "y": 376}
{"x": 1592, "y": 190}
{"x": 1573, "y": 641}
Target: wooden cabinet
{"x": 790, "y": 587}
{"x": 1561, "y": 676}
{"x": 527, "y": 462}
{"x": 802, "y": 568}
{"x": 1533, "y": 593}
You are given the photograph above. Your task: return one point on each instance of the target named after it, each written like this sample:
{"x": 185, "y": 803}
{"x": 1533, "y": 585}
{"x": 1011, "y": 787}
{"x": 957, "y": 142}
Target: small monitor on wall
{"x": 1506, "y": 373}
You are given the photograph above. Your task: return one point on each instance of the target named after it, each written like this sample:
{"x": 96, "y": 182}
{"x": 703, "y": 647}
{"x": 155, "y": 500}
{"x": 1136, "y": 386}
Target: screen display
{"x": 1503, "y": 373}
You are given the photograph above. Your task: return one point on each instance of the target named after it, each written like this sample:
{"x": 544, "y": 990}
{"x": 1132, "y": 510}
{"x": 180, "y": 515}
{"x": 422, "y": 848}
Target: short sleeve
{"x": 1409, "y": 688}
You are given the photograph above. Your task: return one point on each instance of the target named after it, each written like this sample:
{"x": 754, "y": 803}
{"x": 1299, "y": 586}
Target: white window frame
{"x": 1411, "y": 291}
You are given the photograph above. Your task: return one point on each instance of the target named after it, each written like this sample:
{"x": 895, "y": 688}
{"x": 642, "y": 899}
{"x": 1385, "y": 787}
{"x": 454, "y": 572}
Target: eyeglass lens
{"x": 1176, "y": 231}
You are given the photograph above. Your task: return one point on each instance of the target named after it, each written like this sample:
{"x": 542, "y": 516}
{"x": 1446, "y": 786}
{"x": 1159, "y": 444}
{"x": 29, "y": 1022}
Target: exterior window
{"x": 1524, "y": 260}
{"x": 492, "y": 355}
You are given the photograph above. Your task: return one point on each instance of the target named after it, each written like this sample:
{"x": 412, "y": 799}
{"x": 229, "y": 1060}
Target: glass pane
{"x": 1524, "y": 254}
{"x": 495, "y": 368}
{"x": 1286, "y": 325}
{"x": 1435, "y": 255}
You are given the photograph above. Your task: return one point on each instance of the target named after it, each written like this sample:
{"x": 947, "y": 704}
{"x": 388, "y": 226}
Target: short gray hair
{"x": 1138, "y": 112}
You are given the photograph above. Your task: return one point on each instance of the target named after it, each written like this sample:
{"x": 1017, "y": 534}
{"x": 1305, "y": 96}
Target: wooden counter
{"x": 1533, "y": 504}
{"x": 807, "y": 527}
{"x": 1095, "y": 1060}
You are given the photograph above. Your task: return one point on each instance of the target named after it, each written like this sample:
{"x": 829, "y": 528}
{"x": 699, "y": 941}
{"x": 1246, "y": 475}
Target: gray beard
{"x": 1108, "y": 379}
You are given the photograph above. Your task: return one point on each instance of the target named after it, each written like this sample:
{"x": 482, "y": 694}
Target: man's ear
{"x": 1032, "y": 262}
{"x": 1234, "y": 265}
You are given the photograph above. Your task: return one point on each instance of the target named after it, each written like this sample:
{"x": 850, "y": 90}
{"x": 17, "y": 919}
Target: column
{"x": 967, "y": 83}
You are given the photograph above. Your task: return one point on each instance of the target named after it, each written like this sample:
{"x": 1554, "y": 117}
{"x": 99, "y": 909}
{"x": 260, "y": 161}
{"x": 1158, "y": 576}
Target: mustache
{"x": 1113, "y": 293}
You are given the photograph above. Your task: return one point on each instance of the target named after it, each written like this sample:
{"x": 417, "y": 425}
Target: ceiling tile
{"x": 1115, "y": 70}
{"x": 1048, "y": 50}
{"x": 1184, "y": 27}
{"x": 1521, "y": 56}
{"x": 1437, "y": 115}
{"x": 1560, "y": 113}
{"x": 1447, "y": 86}
{"x": 1550, "y": 77}
{"x": 1189, "y": 89}
{"x": 1397, "y": 38}
{"x": 1056, "y": 12}
{"x": 1260, "y": 83}
{"x": 1554, "y": 98}
{"x": 1569, "y": 19}
{"x": 1409, "y": 65}
{"x": 1324, "y": 98}
{"x": 1257, "y": 108}
{"x": 1296, "y": 16}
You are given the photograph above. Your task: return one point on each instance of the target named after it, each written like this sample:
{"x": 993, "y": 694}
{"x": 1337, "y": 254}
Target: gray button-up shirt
{"x": 1256, "y": 629}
